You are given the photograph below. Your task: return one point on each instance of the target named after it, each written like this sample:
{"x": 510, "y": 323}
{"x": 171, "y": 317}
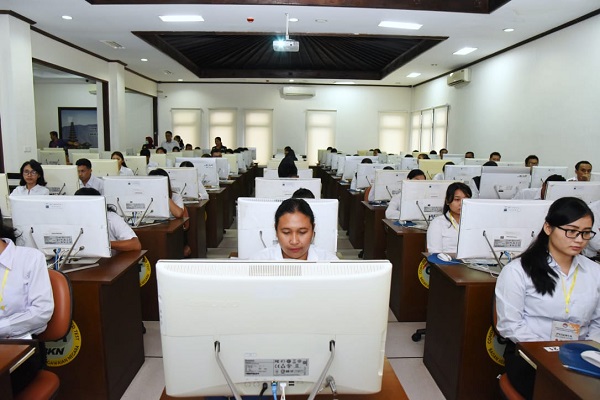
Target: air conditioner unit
{"x": 459, "y": 77}
{"x": 297, "y": 91}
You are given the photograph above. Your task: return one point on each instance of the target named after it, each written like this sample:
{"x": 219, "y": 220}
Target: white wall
{"x": 357, "y": 110}
{"x": 138, "y": 109}
{"x": 541, "y": 98}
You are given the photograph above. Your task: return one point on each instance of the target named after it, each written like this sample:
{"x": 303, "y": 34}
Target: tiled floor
{"x": 405, "y": 356}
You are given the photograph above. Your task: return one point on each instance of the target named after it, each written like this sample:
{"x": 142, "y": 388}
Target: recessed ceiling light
{"x": 464, "y": 51}
{"x": 400, "y": 25}
{"x": 291, "y": 80}
{"x": 143, "y": 59}
{"x": 509, "y": 30}
{"x": 67, "y": 17}
{"x": 181, "y": 18}
{"x": 293, "y": 19}
{"x": 413, "y": 75}
{"x": 344, "y": 83}
{"x": 179, "y": 80}
{"x": 320, "y": 20}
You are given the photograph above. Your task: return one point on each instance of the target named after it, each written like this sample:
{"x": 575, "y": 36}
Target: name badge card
{"x": 564, "y": 331}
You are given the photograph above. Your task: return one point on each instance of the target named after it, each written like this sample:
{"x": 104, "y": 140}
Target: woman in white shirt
{"x": 442, "y": 234}
{"x": 551, "y": 292}
{"x": 123, "y": 170}
{"x": 32, "y": 180}
{"x": 393, "y": 209}
{"x": 295, "y": 230}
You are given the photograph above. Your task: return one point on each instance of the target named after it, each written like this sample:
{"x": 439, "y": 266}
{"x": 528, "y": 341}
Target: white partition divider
{"x": 283, "y": 188}
{"x": 256, "y": 224}
{"x": 273, "y": 174}
{"x": 4, "y": 193}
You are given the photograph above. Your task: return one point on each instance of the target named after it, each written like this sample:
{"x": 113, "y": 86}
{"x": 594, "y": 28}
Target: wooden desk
{"x": 196, "y": 234}
{"x": 459, "y": 315}
{"x": 11, "y": 355}
{"x": 408, "y": 296}
{"x": 391, "y": 389}
{"x": 356, "y": 224}
{"x": 162, "y": 241}
{"x": 214, "y": 217}
{"x": 345, "y": 198}
{"x": 374, "y": 240}
{"x": 552, "y": 380}
{"x": 107, "y": 312}
{"x": 228, "y": 202}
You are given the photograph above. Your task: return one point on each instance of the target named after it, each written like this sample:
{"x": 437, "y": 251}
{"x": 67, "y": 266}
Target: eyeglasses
{"x": 30, "y": 172}
{"x": 574, "y": 233}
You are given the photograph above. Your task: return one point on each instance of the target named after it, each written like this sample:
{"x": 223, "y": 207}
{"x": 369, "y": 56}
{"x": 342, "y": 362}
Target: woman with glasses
{"x": 550, "y": 292}
{"x": 32, "y": 180}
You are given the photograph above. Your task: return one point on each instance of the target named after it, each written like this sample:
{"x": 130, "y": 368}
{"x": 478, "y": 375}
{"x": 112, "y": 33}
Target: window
{"x": 222, "y": 123}
{"x": 258, "y": 132}
{"x": 187, "y": 123}
{"x": 393, "y": 131}
{"x": 320, "y": 132}
{"x": 429, "y": 129}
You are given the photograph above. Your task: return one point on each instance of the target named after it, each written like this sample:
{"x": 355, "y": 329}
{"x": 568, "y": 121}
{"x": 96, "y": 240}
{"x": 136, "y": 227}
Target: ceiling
{"x": 337, "y": 44}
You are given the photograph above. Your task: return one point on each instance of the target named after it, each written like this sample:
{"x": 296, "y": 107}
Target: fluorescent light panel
{"x": 400, "y": 25}
{"x": 181, "y": 18}
{"x": 413, "y": 75}
{"x": 344, "y": 83}
{"x": 464, "y": 51}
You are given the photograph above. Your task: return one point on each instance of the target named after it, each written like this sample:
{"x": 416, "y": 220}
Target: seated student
{"x": 423, "y": 156}
{"x": 353, "y": 183}
{"x": 376, "y": 152}
{"x": 443, "y": 151}
{"x": 86, "y": 179}
{"x": 495, "y": 156}
{"x": 583, "y": 172}
{"x": 123, "y": 170}
{"x": 32, "y": 180}
{"x": 149, "y": 164}
{"x": 532, "y": 161}
{"x": 55, "y": 142}
{"x": 548, "y": 285}
{"x": 120, "y": 234}
{"x": 469, "y": 154}
{"x": 26, "y": 300}
{"x": 433, "y": 152}
{"x": 303, "y": 193}
{"x": 161, "y": 150}
{"x": 442, "y": 234}
{"x": 295, "y": 229}
{"x": 287, "y": 168}
{"x": 215, "y": 153}
{"x": 537, "y": 193}
{"x": 287, "y": 150}
{"x": 476, "y": 181}
{"x": 393, "y": 209}
{"x": 189, "y": 146}
{"x": 440, "y": 175}
{"x": 203, "y": 194}
{"x": 175, "y": 199}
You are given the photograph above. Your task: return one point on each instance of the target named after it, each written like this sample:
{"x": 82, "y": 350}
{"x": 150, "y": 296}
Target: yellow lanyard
{"x": 453, "y": 222}
{"x": 568, "y": 295}
{"x": 2, "y": 289}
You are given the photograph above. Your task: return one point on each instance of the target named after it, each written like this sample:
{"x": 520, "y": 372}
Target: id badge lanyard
{"x": 568, "y": 294}
{"x": 453, "y": 222}
{"x": 2, "y": 289}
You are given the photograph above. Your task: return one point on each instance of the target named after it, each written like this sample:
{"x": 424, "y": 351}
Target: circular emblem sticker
{"x": 64, "y": 351}
{"x": 423, "y": 272}
{"x": 495, "y": 349}
{"x": 145, "y": 271}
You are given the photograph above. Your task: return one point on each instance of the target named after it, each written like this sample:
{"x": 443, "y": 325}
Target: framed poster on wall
{"x": 78, "y": 126}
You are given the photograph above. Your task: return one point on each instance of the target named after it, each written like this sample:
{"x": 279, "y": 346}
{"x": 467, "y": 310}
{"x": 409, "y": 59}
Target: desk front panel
{"x": 374, "y": 239}
{"x": 344, "y": 198}
{"x": 10, "y": 354}
{"x": 214, "y": 217}
{"x": 197, "y": 233}
{"x": 356, "y": 228}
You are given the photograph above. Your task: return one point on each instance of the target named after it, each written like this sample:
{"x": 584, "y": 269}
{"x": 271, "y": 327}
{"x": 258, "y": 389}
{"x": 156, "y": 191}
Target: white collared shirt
{"x": 393, "y": 209}
{"x": 124, "y": 171}
{"x": 275, "y": 253}
{"x": 36, "y": 190}
{"x": 27, "y": 296}
{"x": 524, "y": 315}
{"x": 169, "y": 145}
{"x": 94, "y": 183}
{"x": 118, "y": 229}
{"x": 442, "y": 236}
{"x": 528, "y": 194}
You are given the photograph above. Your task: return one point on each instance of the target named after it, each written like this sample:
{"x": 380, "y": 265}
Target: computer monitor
{"x": 172, "y": 157}
{"x": 102, "y": 167}
{"x": 76, "y": 154}
{"x": 508, "y": 225}
{"x": 222, "y": 168}
{"x": 388, "y": 183}
{"x": 247, "y": 158}
{"x": 138, "y": 197}
{"x": 475, "y": 161}
{"x": 334, "y": 161}
{"x": 283, "y": 188}
{"x": 395, "y": 158}
{"x": 252, "y": 151}
{"x": 4, "y": 193}
{"x": 328, "y": 159}
{"x": 188, "y": 153}
{"x": 52, "y": 157}
{"x": 409, "y": 163}
{"x": 365, "y": 174}
{"x": 207, "y": 169}
{"x": 462, "y": 173}
{"x": 137, "y": 164}
{"x": 510, "y": 163}
{"x": 61, "y": 179}
{"x": 274, "y": 174}
{"x": 586, "y": 191}
{"x": 241, "y": 162}
{"x": 431, "y": 167}
{"x": 232, "y": 160}
{"x": 272, "y": 321}
{"x": 256, "y": 224}
{"x": 458, "y": 159}
{"x": 351, "y": 165}
{"x": 160, "y": 159}
{"x": 503, "y": 182}
{"x": 422, "y": 200}
{"x": 540, "y": 174}
{"x": 72, "y": 224}
{"x": 321, "y": 154}
{"x": 382, "y": 158}
{"x": 184, "y": 181}
{"x": 364, "y": 153}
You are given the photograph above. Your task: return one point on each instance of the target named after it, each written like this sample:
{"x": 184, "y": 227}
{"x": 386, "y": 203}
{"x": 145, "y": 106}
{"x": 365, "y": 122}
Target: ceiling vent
{"x": 113, "y": 44}
{"x": 459, "y": 77}
{"x": 297, "y": 92}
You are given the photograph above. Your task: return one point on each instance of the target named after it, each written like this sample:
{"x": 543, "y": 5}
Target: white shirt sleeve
{"x": 434, "y": 236}
{"x": 118, "y": 229}
{"x": 393, "y": 209}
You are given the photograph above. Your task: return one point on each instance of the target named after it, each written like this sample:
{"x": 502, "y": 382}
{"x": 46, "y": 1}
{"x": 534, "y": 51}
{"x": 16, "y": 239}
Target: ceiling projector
{"x": 286, "y": 45}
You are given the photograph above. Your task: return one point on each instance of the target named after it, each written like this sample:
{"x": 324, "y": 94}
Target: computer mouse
{"x": 591, "y": 356}
{"x": 444, "y": 257}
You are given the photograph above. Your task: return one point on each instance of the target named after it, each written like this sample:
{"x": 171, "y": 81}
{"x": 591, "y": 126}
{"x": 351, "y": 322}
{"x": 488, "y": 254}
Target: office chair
{"x": 506, "y": 388}
{"x": 45, "y": 384}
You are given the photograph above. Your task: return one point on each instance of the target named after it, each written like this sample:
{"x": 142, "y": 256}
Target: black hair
{"x": 161, "y": 148}
{"x": 490, "y": 164}
{"x": 423, "y": 156}
{"x": 303, "y": 193}
{"x": 555, "y": 178}
{"x": 186, "y": 164}
{"x": 495, "y": 153}
{"x": 291, "y": 154}
{"x": 447, "y": 163}
{"x": 452, "y": 188}
{"x": 212, "y": 151}
{"x": 218, "y": 138}
{"x": 84, "y": 162}
{"x": 175, "y": 149}
{"x": 168, "y": 133}
{"x": 469, "y": 152}
{"x": 6, "y": 231}
{"x": 366, "y": 161}
{"x": 414, "y": 173}
{"x": 443, "y": 149}
{"x": 293, "y": 205}
{"x": 54, "y": 133}
{"x": 388, "y": 168}
{"x": 581, "y": 162}
{"x": 408, "y": 156}
{"x": 433, "y": 152}
{"x": 37, "y": 167}
{"x": 287, "y": 169}
{"x": 162, "y": 172}
{"x": 531, "y": 157}
{"x": 118, "y": 153}
{"x": 535, "y": 259}
{"x": 88, "y": 191}
{"x": 145, "y": 152}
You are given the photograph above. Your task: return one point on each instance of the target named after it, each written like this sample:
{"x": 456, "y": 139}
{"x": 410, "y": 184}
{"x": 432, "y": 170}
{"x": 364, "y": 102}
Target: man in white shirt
{"x": 86, "y": 179}
{"x": 583, "y": 172}
{"x": 169, "y": 143}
